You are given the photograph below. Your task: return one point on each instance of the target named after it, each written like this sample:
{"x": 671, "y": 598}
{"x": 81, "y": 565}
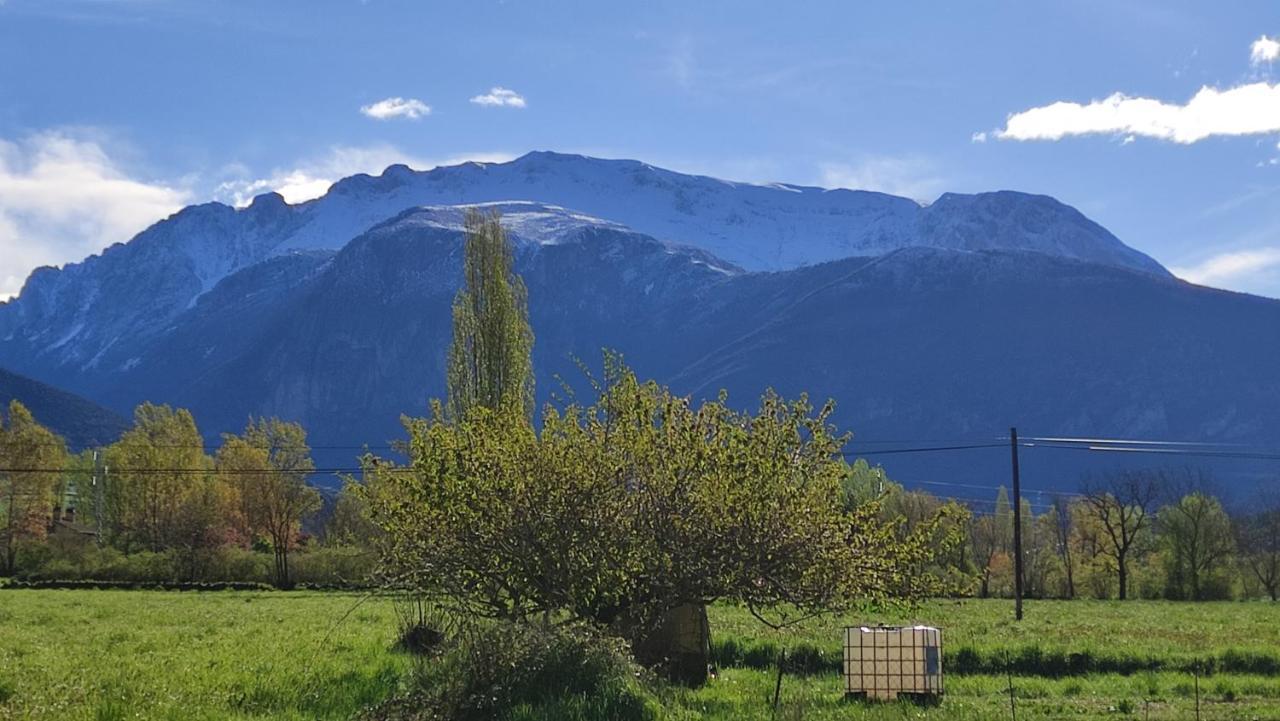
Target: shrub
{"x": 332, "y": 566}
{"x": 528, "y": 671}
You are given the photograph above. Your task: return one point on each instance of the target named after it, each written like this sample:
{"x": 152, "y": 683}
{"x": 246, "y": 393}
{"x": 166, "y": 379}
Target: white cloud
{"x": 1264, "y": 50}
{"x": 978, "y": 138}
{"x": 911, "y": 177}
{"x": 499, "y": 97}
{"x": 1230, "y": 267}
{"x": 64, "y": 197}
{"x": 1251, "y": 109}
{"x": 311, "y": 178}
{"x": 389, "y": 108}
{"x": 1244, "y": 110}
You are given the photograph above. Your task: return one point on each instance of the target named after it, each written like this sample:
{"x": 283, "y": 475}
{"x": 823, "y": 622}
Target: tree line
{"x": 1149, "y": 533}
{"x": 158, "y": 491}
{"x": 1152, "y": 533}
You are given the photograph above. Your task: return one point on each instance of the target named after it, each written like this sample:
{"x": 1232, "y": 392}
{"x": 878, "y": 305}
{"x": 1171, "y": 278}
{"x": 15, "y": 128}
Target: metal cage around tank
{"x": 885, "y": 662}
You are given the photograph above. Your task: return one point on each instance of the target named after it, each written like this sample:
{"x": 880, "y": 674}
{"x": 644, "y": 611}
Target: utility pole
{"x": 1017, "y": 527}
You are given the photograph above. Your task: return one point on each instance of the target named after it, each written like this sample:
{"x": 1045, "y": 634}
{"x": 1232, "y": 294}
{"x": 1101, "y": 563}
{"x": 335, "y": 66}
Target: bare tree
{"x": 985, "y": 538}
{"x": 1064, "y": 530}
{"x": 1121, "y": 502}
{"x": 1258, "y": 540}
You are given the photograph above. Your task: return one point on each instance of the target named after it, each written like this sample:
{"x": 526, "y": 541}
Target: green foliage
{"x": 152, "y": 469}
{"x": 863, "y": 483}
{"x": 1198, "y": 538}
{"x": 528, "y": 671}
{"x": 350, "y": 525}
{"x": 620, "y": 511}
{"x": 490, "y": 357}
{"x": 76, "y": 560}
{"x": 27, "y": 490}
{"x": 267, "y": 466}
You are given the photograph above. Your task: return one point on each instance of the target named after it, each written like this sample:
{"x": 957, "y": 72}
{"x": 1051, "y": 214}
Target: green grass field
{"x": 179, "y": 655}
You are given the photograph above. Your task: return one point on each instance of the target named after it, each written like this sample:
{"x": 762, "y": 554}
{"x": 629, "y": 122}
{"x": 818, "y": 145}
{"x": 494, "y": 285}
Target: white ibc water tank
{"x": 884, "y": 662}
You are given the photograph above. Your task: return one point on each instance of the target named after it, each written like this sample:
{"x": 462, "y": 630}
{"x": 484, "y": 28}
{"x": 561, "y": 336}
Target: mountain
{"x": 951, "y": 321}
{"x": 84, "y": 318}
{"x": 916, "y": 343}
{"x": 81, "y": 422}
{"x": 362, "y": 335}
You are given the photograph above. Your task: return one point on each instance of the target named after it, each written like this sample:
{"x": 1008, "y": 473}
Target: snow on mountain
{"x": 72, "y": 317}
{"x": 758, "y": 227}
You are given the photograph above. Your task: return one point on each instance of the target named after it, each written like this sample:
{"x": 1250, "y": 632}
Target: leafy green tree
{"x": 622, "y": 511}
{"x": 267, "y": 466}
{"x": 1197, "y": 536}
{"x": 349, "y": 525}
{"x": 201, "y": 524}
{"x": 31, "y": 456}
{"x": 149, "y": 471}
{"x": 864, "y": 483}
{"x": 490, "y": 359}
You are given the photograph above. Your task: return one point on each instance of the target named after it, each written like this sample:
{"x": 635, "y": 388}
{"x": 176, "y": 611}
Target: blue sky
{"x": 115, "y": 113}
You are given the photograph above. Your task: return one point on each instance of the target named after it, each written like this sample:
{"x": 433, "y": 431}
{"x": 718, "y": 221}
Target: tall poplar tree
{"x": 490, "y": 358}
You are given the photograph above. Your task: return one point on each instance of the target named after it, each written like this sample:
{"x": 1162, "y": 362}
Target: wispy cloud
{"x": 63, "y": 196}
{"x": 409, "y": 108}
{"x": 1264, "y": 50}
{"x": 912, "y": 177}
{"x": 1229, "y": 268}
{"x": 500, "y": 97}
{"x": 311, "y": 178}
{"x": 1250, "y": 109}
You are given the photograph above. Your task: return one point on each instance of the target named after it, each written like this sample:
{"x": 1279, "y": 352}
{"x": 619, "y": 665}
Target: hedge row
{"x": 804, "y": 659}
{"x": 172, "y": 585}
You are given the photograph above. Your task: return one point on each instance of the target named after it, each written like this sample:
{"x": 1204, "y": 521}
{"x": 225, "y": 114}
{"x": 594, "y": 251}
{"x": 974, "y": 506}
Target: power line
{"x": 1238, "y": 455}
{"x": 928, "y": 449}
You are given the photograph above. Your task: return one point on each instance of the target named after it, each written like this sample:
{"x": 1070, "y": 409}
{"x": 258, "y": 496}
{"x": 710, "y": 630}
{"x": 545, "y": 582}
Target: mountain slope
{"x": 918, "y": 343}
{"x": 81, "y": 422}
{"x": 86, "y": 318}
{"x": 364, "y": 337}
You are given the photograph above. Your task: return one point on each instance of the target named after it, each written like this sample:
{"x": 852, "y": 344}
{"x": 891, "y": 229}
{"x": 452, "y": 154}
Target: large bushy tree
{"x": 641, "y": 503}
{"x": 1199, "y": 543}
{"x": 150, "y": 471}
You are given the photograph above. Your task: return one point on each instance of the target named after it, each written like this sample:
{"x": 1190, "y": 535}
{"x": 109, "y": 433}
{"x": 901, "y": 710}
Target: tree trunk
{"x": 679, "y": 647}
{"x": 1124, "y": 578}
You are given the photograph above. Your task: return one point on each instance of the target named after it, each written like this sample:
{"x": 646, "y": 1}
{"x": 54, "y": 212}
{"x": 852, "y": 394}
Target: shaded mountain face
{"x": 954, "y": 320}
{"x": 363, "y": 338}
{"x": 82, "y": 423}
{"x": 81, "y": 319}
{"x": 918, "y": 343}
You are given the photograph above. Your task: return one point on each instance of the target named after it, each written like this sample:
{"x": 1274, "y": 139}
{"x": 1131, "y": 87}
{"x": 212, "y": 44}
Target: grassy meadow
{"x": 80, "y": 654}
